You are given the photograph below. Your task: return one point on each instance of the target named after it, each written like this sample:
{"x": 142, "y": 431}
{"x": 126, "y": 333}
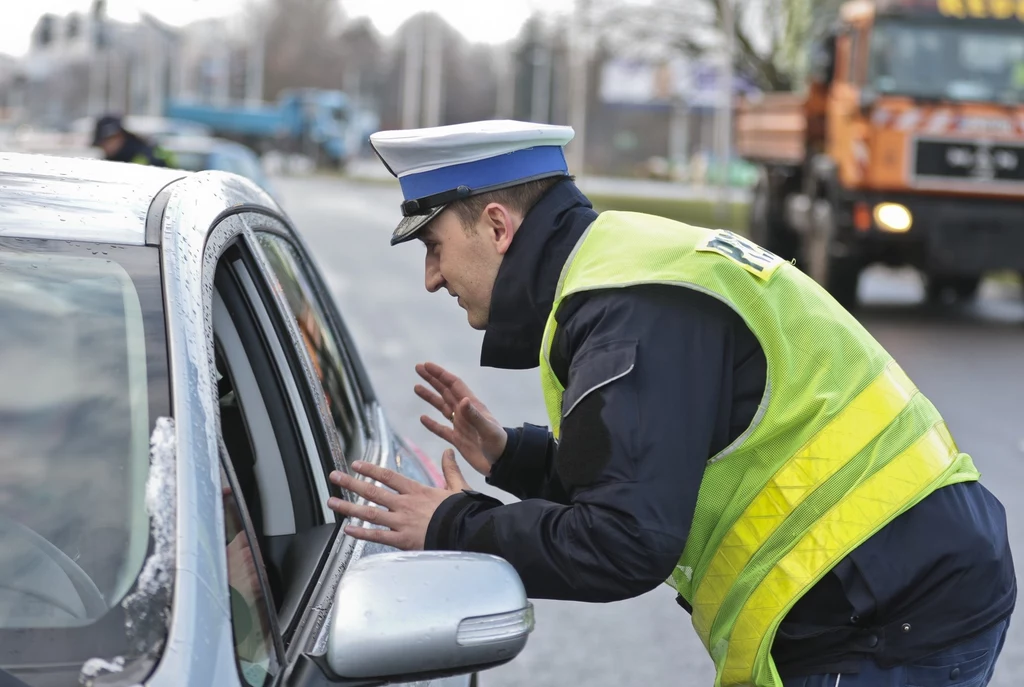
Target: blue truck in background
{"x": 325, "y": 125}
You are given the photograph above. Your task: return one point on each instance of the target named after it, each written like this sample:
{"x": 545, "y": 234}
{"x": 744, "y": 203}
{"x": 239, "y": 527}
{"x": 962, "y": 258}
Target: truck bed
{"x": 772, "y": 129}
{"x": 267, "y": 120}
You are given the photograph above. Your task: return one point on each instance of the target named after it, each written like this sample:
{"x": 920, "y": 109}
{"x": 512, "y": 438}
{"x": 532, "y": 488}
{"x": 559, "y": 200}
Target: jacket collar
{"x": 524, "y": 289}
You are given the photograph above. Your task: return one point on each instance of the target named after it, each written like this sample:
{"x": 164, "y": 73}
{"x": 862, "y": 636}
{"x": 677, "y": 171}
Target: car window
{"x": 251, "y": 624}
{"x": 83, "y": 364}
{"x": 275, "y": 444}
{"x": 294, "y": 279}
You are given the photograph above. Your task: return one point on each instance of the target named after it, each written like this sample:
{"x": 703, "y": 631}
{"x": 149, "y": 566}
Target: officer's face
{"x": 465, "y": 261}
{"x": 111, "y": 144}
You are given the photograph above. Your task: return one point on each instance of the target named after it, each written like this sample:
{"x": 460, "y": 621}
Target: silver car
{"x": 176, "y": 385}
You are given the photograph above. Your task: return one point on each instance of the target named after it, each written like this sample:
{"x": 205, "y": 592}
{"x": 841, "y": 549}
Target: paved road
{"x": 970, "y": 362}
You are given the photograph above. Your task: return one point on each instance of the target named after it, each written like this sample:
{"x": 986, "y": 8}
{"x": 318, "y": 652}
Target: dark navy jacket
{"x": 139, "y": 151}
{"x": 658, "y": 379}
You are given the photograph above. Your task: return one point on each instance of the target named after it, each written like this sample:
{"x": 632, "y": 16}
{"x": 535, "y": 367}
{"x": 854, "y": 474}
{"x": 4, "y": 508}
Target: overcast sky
{"x": 481, "y": 21}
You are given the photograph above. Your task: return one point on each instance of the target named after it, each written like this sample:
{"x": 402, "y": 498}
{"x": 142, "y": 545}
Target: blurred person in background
{"x": 120, "y": 145}
{"x": 718, "y": 422}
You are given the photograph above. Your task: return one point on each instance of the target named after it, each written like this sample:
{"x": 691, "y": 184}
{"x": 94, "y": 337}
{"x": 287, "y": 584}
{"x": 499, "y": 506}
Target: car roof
{"x": 43, "y": 196}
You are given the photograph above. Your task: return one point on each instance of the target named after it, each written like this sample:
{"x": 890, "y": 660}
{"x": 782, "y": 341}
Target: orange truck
{"x": 907, "y": 147}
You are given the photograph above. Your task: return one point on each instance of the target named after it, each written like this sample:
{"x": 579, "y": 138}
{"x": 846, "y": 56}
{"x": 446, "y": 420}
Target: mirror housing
{"x": 402, "y": 617}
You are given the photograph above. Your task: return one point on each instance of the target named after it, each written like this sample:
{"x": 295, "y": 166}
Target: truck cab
{"x": 907, "y": 147}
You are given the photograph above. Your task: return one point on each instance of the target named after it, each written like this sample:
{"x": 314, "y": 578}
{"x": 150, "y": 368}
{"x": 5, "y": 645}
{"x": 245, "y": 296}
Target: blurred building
{"x": 648, "y": 113}
{"x": 82, "y": 64}
{"x": 656, "y": 116}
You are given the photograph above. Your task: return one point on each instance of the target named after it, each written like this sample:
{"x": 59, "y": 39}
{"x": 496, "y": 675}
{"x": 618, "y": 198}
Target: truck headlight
{"x": 893, "y": 217}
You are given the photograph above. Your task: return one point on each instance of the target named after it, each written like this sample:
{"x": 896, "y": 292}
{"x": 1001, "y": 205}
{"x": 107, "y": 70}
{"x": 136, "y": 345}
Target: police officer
{"x": 717, "y": 421}
{"x": 121, "y": 145}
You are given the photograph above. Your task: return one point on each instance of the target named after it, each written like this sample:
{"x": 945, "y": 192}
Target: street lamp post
{"x": 256, "y": 56}
{"x": 725, "y": 113}
{"x": 578, "y": 84}
{"x": 434, "y": 76}
{"x": 411, "y": 93}
{"x": 98, "y": 70}
{"x": 540, "y": 110}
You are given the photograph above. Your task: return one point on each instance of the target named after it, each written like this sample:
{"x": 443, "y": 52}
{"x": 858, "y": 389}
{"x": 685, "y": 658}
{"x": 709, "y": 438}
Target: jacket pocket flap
{"x": 597, "y": 368}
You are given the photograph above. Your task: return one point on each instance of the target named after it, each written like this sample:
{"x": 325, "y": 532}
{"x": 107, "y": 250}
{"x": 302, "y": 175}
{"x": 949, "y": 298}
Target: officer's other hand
{"x": 478, "y": 436}
{"x": 408, "y": 506}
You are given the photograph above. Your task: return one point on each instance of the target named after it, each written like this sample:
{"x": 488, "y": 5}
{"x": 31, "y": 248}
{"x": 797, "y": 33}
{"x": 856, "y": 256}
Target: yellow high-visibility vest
{"x": 842, "y": 443}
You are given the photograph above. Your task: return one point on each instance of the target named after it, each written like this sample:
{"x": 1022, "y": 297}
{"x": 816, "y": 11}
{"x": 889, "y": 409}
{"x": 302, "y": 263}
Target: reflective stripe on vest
{"x": 859, "y": 514}
{"x": 818, "y": 460}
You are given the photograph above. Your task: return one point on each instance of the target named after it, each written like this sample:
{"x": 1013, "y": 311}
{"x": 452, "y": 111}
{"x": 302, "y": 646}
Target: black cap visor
{"x": 413, "y": 224}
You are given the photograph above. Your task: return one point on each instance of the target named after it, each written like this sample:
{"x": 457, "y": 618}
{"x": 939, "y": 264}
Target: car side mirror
{"x": 404, "y": 617}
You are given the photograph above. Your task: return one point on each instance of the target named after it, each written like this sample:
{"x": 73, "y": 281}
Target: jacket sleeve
{"x": 526, "y": 468}
{"x": 645, "y": 382}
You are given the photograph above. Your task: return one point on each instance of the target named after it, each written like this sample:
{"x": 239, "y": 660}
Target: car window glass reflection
{"x": 323, "y": 349}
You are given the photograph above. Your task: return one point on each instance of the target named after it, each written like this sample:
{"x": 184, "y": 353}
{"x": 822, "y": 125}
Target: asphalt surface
{"x": 969, "y": 360}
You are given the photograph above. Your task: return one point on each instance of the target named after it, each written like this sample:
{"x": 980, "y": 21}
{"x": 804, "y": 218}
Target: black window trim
{"x": 277, "y": 638}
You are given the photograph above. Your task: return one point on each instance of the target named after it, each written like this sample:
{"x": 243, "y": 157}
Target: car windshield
{"x": 84, "y": 368}
{"x": 950, "y": 61}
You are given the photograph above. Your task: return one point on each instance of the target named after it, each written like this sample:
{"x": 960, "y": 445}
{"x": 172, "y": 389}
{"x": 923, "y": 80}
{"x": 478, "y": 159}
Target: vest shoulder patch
{"x": 745, "y": 253}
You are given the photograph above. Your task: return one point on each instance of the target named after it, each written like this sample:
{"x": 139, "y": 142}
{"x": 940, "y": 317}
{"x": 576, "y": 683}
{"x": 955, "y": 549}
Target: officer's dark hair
{"x": 517, "y": 198}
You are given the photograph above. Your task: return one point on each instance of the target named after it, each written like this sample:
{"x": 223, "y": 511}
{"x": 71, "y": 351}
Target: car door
{"x": 294, "y": 405}
{"x": 275, "y": 456}
{"x": 340, "y": 378}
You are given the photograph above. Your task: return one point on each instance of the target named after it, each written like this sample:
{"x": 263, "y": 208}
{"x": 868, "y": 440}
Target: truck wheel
{"x": 962, "y": 288}
{"x": 767, "y": 228}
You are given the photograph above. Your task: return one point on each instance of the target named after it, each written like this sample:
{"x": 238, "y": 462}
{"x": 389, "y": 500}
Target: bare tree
{"x": 302, "y": 49}
{"x": 362, "y": 58}
{"x": 772, "y": 37}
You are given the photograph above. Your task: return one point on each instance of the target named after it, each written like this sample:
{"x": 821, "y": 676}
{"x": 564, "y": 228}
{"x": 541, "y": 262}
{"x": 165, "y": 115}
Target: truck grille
{"x": 969, "y": 160}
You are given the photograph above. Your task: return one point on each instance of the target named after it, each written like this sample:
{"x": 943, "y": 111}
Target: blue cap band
{"x": 492, "y": 171}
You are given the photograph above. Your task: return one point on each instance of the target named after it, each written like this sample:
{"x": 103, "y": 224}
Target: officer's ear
{"x": 501, "y": 224}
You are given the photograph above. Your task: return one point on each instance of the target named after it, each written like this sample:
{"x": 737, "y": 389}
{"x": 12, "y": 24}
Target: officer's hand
{"x": 478, "y": 436}
{"x": 407, "y": 510}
